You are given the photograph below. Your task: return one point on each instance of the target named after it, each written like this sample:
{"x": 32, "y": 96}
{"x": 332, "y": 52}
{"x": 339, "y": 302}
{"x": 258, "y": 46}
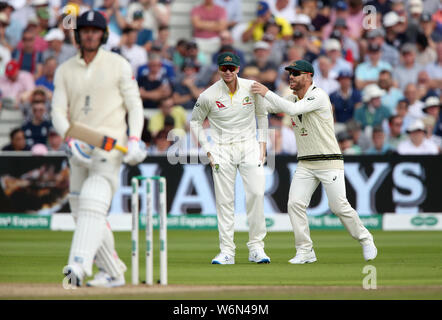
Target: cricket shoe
{"x": 258, "y": 256}
{"x": 103, "y": 280}
{"x": 74, "y": 274}
{"x": 369, "y": 250}
{"x": 223, "y": 258}
{"x": 303, "y": 257}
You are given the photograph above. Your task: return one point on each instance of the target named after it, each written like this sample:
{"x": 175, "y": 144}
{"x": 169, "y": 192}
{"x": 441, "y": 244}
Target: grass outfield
{"x": 409, "y": 266}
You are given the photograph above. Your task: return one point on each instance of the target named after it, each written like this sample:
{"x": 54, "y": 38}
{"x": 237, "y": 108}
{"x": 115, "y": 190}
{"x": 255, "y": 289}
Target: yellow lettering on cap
{"x": 228, "y": 58}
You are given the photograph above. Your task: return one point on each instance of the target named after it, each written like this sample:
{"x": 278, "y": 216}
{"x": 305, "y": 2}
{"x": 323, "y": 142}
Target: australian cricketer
{"x": 233, "y": 112}
{"x": 320, "y": 160}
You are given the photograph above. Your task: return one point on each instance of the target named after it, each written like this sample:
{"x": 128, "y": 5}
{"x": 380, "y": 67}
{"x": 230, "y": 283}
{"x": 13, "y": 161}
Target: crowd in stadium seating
{"x": 380, "y": 62}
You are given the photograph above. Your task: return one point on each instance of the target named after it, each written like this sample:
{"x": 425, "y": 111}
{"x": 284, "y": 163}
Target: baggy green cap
{"x": 301, "y": 65}
{"x": 228, "y": 58}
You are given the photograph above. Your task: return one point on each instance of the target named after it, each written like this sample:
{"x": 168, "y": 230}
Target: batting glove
{"x": 79, "y": 153}
{"x": 136, "y": 151}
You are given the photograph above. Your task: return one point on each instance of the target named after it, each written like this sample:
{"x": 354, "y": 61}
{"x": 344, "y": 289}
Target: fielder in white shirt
{"x": 233, "y": 111}
{"x": 96, "y": 88}
{"x": 320, "y": 160}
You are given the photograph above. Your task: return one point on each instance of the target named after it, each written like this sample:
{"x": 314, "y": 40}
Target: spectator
{"x": 355, "y": 19}
{"x": 417, "y": 143}
{"x": 301, "y": 40}
{"x": 47, "y": 78}
{"x": 115, "y": 16}
{"x": 153, "y": 82}
{"x": 349, "y": 46}
{"x": 392, "y": 24}
{"x": 255, "y": 29}
{"x": 428, "y": 28}
{"x": 13, "y": 31}
{"x": 227, "y": 44}
{"x": 346, "y": 99}
{"x": 261, "y": 59}
{"x": 414, "y": 104}
{"x": 346, "y": 144}
{"x": 161, "y": 143}
{"x": 17, "y": 141}
{"x": 15, "y": 85}
{"x": 39, "y": 43}
{"x": 188, "y": 88}
{"x": 372, "y": 112}
{"x": 43, "y": 15}
{"x": 434, "y": 70}
{"x": 323, "y": 78}
{"x": 55, "y": 141}
{"x": 425, "y": 53}
{"x": 234, "y": 11}
{"x": 392, "y": 94}
{"x": 378, "y": 141}
{"x": 135, "y": 54}
{"x": 195, "y": 54}
{"x": 339, "y": 11}
{"x": 179, "y": 53}
{"x": 432, "y": 107}
{"x": 144, "y": 36}
{"x": 318, "y": 15}
{"x": 57, "y": 48}
{"x": 208, "y": 20}
{"x": 396, "y": 135}
{"x": 38, "y": 95}
{"x": 358, "y": 137}
{"x": 368, "y": 72}
{"x": 167, "y": 108}
{"x": 284, "y": 8}
{"x": 154, "y": 14}
{"x": 5, "y": 53}
{"x": 281, "y": 139}
{"x": 277, "y": 46}
{"x": 333, "y": 50}
{"x": 389, "y": 54}
{"x": 382, "y": 6}
{"x": 167, "y": 65}
{"x": 162, "y": 41}
{"x": 37, "y": 129}
{"x": 28, "y": 58}
{"x": 424, "y": 86}
{"x": 402, "y": 111}
{"x": 407, "y": 71}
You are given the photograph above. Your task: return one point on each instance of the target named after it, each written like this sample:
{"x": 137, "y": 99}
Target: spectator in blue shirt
{"x": 378, "y": 140}
{"x": 372, "y": 113}
{"x": 392, "y": 94}
{"x": 37, "y": 129}
{"x": 47, "y": 79}
{"x": 115, "y": 14}
{"x": 346, "y": 99}
{"x": 368, "y": 72}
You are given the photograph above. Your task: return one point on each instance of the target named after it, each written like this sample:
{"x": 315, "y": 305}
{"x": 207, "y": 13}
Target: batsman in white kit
{"x": 319, "y": 160}
{"x": 234, "y": 113}
{"x": 96, "y": 88}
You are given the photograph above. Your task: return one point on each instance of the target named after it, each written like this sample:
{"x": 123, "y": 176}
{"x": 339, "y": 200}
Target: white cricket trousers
{"x": 242, "y": 156}
{"x": 303, "y": 185}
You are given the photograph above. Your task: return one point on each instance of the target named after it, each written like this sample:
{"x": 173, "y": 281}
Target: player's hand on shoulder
{"x": 259, "y": 88}
{"x": 136, "y": 151}
{"x": 79, "y": 152}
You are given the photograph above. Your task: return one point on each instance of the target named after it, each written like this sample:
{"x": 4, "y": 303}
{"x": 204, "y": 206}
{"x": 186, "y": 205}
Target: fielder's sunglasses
{"x": 296, "y": 73}
{"x": 228, "y": 67}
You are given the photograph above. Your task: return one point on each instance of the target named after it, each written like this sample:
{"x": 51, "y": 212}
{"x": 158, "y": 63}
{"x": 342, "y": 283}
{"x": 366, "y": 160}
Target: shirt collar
{"x": 81, "y": 61}
{"x": 226, "y": 88}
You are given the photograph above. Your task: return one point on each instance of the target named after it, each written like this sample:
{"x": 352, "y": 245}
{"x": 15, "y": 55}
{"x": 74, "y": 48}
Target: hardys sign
{"x": 374, "y": 184}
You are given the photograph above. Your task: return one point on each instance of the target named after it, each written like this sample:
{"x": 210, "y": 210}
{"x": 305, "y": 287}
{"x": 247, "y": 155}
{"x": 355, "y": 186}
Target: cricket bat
{"x": 84, "y": 133}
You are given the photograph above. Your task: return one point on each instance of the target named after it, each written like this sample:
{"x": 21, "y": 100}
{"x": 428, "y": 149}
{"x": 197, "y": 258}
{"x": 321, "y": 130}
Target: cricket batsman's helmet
{"x": 95, "y": 19}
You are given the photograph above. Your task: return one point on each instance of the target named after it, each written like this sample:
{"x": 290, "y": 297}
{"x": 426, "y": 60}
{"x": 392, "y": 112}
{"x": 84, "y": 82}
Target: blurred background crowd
{"x": 380, "y": 62}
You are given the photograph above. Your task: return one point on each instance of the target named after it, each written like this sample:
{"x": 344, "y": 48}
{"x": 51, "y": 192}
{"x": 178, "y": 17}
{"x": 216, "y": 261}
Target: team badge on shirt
{"x": 246, "y": 101}
{"x": 303, "y": 132}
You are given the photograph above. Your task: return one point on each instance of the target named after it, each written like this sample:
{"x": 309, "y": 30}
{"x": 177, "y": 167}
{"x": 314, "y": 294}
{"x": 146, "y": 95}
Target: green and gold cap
{"x": 301, "y": 65}
{"x": 228, "y": 58}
